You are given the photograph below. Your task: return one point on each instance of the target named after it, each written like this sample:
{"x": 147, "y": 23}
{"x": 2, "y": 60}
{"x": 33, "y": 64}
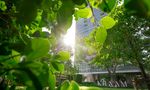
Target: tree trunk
{"x": 135, "y": 49}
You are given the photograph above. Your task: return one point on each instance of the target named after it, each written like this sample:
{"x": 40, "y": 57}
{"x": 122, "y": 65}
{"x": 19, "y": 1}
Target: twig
{"x": 95, "y": 19}
{"x": 22, "y": 39}
{"x": 11, "y": 57}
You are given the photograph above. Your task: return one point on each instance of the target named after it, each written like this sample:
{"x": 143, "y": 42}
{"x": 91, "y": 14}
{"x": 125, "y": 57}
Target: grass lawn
{"x": 98, "y": 88}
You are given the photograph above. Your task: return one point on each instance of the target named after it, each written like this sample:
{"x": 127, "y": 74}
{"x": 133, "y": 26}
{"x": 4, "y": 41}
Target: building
{"x": 89, "y": 72}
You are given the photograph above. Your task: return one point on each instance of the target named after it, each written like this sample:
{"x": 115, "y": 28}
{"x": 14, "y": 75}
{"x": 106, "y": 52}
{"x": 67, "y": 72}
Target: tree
{"x": 133, "y": 28}
{"x": 28, "y": 55}
{"x": 130, "y": 28}
{"x": 113, "y": 54}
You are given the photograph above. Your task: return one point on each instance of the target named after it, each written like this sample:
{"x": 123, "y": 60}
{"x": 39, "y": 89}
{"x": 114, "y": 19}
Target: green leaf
{"x": 40, "y": 43}
{"x": 44, "y": 75}
{"x": 73, "y": 86}
{"x": 58, "y": 66}
{"x": 41, "y": 70}
{"x": 107, "y": 5}
{"x": 13, "y": 61}
{"x": 139, "y": 7}
{"x": 107, "y": 22}
{"x": 101, "y": 35}
{"x": 95, "y": 3}
{"x": 64, "y": 15}
{"x": 83, "y": 13}
{"x": 3, "y": 6}
{"x": 17, "y": 54}
{"x": 35, "y": 80}
{"x": 52, "y": 81}
{"x": 65, "y": 85}
{"x": 23, "y": 78}
{"x": 91, "y": 51}
{"x": 79, "y": 2}
{"x": 40, "y": 47}
{"x": 92, "y": 20}
{"x": 35, "y": 66}
{"x": 27, "y": 10}
{"x": 46, "y": 4}
{"x": 64, "y": 55}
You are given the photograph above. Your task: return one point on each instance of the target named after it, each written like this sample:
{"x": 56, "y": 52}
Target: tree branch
{"x": 11, "y": 57}
{"x": 95, "y": 19}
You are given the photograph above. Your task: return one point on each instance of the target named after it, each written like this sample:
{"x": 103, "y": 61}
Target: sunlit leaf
{"x": 3, "y": 6}
{"x": 64, "y": 55}
{"x": 17, "y": 55}
{"x": 11, "y": 61}
{"x": 64, "y": 15}
{"x": 92, "y": 20}
{"x": 58, "y": 66}
{"x": 40, "y": 48}
{"x": 83, "y": 13}
{"x": 52, "y": 81}
{"x": 91, "y": 50}
{"x": 40, "y": 43}
{"x": 95, "y": 3}
{"x": 65, "y": 85}
{"x": 101, "y": 35}
{"x": 107, "y": 22}
{"x": 73, "y": 86}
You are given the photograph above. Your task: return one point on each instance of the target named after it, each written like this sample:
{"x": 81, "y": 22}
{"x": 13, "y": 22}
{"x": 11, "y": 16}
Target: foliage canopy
{"x": 28, "y": 55}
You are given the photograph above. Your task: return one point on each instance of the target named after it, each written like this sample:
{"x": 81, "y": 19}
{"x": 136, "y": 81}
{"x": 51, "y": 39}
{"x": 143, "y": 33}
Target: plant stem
{"x": 10, "y": 57}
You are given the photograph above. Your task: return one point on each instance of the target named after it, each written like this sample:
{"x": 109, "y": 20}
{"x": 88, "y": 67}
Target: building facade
{"x": 91, "y": 73}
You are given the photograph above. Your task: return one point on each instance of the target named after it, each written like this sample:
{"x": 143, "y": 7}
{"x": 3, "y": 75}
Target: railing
{"x": 85, "y": 69}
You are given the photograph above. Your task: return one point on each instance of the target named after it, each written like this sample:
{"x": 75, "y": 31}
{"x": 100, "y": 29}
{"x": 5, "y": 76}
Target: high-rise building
{"x": 83, "y": 28}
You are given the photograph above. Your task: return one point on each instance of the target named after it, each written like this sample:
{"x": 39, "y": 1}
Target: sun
{"x": 69, "y": 38}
